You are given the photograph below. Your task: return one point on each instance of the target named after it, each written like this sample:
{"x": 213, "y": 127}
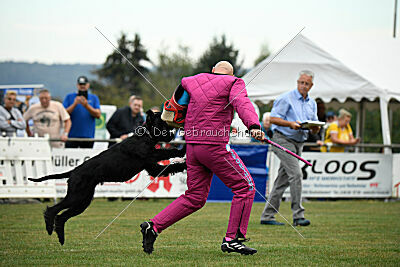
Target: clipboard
{"x": 308, "y": 124}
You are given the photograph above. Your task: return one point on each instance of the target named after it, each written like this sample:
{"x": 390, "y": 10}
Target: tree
{"x": 117, "y": 71}
{"x": 109, "y": 94}
{"x": 167, "y": 75}
{"x": 217, "y": 51}
{"x": 264, "y": 53}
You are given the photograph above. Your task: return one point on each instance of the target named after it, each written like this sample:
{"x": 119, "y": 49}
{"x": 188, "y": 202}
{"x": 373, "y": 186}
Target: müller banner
{"x": 170, "y": 186}
{"x": 342, "y": 175}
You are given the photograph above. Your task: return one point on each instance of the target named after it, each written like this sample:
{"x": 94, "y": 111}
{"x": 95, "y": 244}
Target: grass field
{"x": 341, "y": 233}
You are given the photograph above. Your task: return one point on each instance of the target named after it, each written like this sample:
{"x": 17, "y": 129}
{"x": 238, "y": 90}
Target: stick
{"x": 287, "y": 151}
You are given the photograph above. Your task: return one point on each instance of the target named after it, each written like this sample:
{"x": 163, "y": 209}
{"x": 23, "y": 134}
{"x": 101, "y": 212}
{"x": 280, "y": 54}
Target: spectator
{"x": 289, "y": 110}
{"x": 83, "y": 108}
{"x": 316, "y": 138}
{"x": 21, "y": 106}
{"x": 10, "y": 117}
{"x": 339, "y": 133}
{"x": 330, "y": 117}
{"x": 47, "y": 117}
{"x": 125, "y": 120}
{"x": 265, "y": 125}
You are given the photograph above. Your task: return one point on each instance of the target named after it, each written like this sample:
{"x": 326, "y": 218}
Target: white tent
{"x": 333, "y": 82}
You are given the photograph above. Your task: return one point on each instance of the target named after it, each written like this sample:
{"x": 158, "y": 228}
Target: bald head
{"x": 223, "y": 67}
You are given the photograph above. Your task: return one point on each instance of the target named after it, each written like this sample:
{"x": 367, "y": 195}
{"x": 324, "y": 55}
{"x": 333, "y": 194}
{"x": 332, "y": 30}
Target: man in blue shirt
{"x": 289, "y": 110}
{"x": 83, "y": 108}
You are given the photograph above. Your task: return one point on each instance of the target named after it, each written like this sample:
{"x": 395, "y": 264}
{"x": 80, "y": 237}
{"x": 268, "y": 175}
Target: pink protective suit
{"x": 213, "y": 98}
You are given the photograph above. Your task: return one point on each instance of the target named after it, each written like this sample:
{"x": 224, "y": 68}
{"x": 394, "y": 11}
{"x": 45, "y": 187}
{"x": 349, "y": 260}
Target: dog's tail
{"x": 52, "y": 176}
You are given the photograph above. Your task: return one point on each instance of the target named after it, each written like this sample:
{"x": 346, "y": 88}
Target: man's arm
{"x": 336, "y": 140}
{"x": 243, "y": 106}
{"x": 67, "y": 128}
{"x": 95, "y": 112}
{"x": 295, "y": 125}
{"x": 28, "y": 130}
{"x": 4, "y": 123}
{"x": 112, "y": 125}
{"x": 70, "y": 108}
{"x": 19, "y": 122}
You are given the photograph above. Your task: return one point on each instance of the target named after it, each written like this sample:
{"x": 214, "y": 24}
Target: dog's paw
{"x": 59, "y": 228}
{"x": 49, "y": 221}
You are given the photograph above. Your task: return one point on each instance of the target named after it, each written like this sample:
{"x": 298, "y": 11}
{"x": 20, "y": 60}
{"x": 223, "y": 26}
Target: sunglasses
{"x": 11, "y": 99}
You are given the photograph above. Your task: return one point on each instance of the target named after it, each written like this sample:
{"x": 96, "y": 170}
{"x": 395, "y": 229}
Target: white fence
{"x": 22, "y": 158}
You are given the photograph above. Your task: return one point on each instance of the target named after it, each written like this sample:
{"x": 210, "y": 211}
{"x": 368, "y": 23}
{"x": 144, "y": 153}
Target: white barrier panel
{"x": 396, "y": 176}
{"x": 164, "y": 187}
{"x": 22, "y": 158}
{"x": 342, "y": 175}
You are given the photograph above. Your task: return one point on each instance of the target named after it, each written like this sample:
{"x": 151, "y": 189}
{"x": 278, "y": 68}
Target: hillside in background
{"x": 60, "y": 79}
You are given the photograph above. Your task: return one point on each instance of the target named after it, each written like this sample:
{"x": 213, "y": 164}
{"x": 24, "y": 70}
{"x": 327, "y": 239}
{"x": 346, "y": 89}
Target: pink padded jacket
{"x": 213, "y": 99}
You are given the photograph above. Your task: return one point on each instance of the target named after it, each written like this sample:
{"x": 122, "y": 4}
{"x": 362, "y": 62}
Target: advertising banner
{"x": 164, "y": 187}
{"x": 396, "y": 176}
{"x": 254, "y": 158}
{"x": 343, "y": 175}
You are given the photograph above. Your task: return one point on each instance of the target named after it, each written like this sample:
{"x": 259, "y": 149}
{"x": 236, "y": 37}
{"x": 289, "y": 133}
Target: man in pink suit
{"x": 213, "y": 97}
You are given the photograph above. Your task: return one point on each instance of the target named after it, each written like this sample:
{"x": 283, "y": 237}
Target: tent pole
{"x": 385, "y": 124}
{"x": 363, "y": 119}
{"x": 358, "y": 123}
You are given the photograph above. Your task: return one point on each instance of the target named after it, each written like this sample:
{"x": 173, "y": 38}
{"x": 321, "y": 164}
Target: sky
{"x": 357, "y": 32}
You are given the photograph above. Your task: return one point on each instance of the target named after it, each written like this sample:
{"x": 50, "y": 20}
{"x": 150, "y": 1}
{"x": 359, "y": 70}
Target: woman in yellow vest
{"x": 339, "y": 133}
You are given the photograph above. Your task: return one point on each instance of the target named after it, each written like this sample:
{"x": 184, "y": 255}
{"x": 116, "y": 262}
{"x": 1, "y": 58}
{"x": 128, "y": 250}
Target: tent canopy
{"x": 333, "y": 80}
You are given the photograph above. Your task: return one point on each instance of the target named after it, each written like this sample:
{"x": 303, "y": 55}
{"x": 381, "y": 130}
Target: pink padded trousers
{"x": 202, "y": 161}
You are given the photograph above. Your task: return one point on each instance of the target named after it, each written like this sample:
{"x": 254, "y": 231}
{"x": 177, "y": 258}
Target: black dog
{"x": 117, "y": 164}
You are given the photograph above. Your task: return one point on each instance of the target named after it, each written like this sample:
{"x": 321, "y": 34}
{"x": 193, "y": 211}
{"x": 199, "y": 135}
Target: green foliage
{"x": 395, "y": 129}
{"x": 117, "y": 71}
{"x": 342, "y": 233}
{"x": 219, "y": 50}
{"x": 167, "y": 75}
{"x": 372, "y": 129}
{"x": 109, "y": 94}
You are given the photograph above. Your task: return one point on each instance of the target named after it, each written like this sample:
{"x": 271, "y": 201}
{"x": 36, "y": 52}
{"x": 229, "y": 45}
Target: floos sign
{"x": 344, "y": 175}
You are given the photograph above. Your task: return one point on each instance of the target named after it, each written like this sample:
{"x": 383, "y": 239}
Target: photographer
{"x": 83, "y": 108}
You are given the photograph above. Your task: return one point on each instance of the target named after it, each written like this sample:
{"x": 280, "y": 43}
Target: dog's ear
{"x": 150, "y": 117}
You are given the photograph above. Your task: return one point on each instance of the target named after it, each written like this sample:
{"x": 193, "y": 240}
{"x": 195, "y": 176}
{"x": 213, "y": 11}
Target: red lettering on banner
{"x": 167, "y": 183}
{"x": 397, "y": 186}
{"x": 373, "y": 185}
{"x": 133, "y": 179}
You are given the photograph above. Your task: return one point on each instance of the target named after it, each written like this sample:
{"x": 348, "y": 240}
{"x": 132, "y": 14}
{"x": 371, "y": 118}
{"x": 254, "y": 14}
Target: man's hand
{"x": 64, "y": 137}
{"x": 257, "y": 134}
{"x": 81, "y": 100}
{"x": 124, "y": 136}
{"x": 355, "y": 141}
{"x": 295, "y": 125}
